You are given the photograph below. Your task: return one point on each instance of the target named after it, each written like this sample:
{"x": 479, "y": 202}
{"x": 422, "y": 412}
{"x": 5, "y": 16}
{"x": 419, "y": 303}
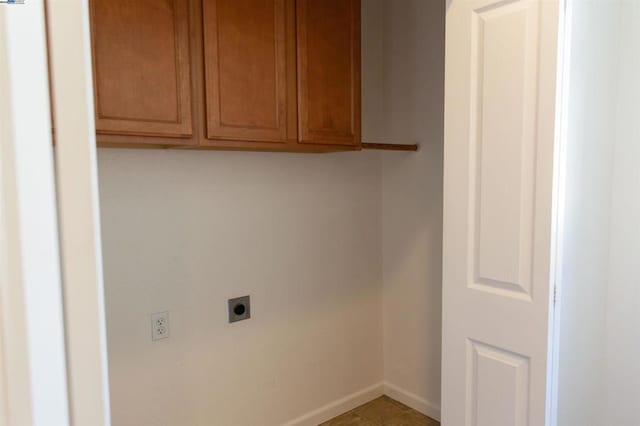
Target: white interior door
{"x": 500, "y": 114}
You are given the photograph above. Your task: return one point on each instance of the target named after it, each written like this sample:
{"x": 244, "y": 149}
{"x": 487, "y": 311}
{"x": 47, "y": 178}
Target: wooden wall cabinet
{"x": 329, "y": 71}
{"x": 245, "y": 62}
{"x": 228, "y": 74}
{"x": 142, "y": 67}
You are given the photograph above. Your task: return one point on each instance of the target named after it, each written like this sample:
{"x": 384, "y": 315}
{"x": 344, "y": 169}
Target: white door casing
{"x": 500, "y": 109}
{"x": 33, "y": 381}
{"x": 78, "y": 211}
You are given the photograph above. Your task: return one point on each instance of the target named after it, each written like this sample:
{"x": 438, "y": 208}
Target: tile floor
{"x": 382, "y": 411}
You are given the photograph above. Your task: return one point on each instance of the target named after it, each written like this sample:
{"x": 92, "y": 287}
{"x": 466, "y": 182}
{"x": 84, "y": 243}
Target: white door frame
{"x": 53, "y": 358}
{"x": 562, "y": 112}
{"x": 78, "y": 209}
{"x": 33, "y": 381}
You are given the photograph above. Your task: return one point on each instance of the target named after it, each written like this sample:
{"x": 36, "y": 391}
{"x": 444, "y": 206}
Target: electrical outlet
{"x": 159, "y": 325}
{"x": 239, "y": 309}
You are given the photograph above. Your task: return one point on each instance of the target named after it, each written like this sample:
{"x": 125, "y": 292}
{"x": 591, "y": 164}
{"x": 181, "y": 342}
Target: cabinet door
{"x": 141, "y": 67}
{"x": 245, "y": 60}
{"x": 329, "y": 71}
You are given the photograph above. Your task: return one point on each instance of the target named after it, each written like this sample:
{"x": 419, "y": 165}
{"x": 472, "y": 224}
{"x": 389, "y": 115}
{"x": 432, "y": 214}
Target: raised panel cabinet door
{"x": 141, "y": 67}
{"x": 329, "y": 71}
{"x": 245, "y": 61}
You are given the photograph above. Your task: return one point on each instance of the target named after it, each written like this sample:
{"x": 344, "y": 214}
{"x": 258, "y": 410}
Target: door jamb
{"x": 560, "y": 163}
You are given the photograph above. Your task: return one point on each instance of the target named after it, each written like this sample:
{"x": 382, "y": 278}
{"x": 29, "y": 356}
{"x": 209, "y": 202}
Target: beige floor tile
{"x": 411, "y": 418}
{"x": 349, "y": 419}
{"x": 381, "y": 410}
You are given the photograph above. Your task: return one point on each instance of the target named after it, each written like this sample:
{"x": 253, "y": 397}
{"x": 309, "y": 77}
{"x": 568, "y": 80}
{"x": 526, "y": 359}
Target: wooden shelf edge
{"x": 295, "y": 149}
{"x": 390, "y": 146}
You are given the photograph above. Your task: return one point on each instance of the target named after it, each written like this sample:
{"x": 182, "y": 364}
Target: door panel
{"x": 499, "y": 157}
{"x": 141, "y": 67}
{"x": 329, "y": 71}
{"x": 245, "y": 69}
{"x": 498, "y": 386}
{"x": 503, "y": 151}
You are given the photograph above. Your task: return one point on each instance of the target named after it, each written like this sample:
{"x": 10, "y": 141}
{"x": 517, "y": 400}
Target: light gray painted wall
{"x": 412, "y": 197}
{"x": 590, "y": 139}
{"x": 600, "y": 302}
{"x": 622, "y": 371}
{"x": 185, "y": 231}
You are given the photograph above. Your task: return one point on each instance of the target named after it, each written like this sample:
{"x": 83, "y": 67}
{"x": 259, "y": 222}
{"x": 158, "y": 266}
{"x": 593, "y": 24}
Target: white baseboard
{"x": 338, "y": 407}
{"x": 363, "y": 396}
{"x": 411, "y": 400}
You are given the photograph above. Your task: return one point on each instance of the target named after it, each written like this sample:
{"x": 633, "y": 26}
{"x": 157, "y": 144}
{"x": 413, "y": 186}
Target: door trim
{"x": 78, "y": 211}
{"x": 33, "y": 380}
{"x": 557, "y": 248}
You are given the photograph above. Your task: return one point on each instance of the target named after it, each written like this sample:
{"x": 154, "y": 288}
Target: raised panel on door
{"x": 141, "y": 67}
{"x": 329, "y": 71}
{"x": 498, "y": 386}
{"x": 245, "y": 58}
{"x": 498, "y": 216}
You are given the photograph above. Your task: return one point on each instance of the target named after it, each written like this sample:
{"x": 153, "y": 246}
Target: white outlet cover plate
{"x": 159, "y": 325}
